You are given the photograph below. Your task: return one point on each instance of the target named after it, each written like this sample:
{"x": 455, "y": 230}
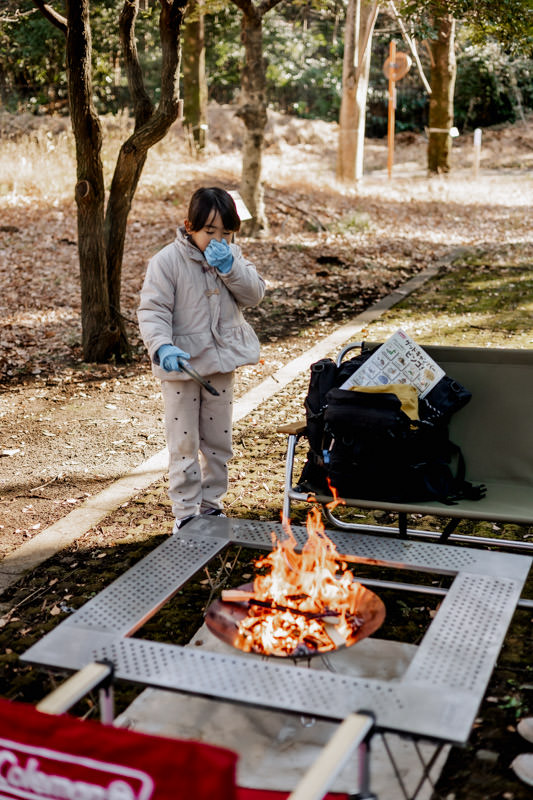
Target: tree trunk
{"x": 195, "y": 96}
{"x": 443, "y": 71}
{"x": 253, "y": 112}
{"x": 366, "y": 29}
{"x": 101, "y": 240}
{"x": 347, "y": 118}
{"x": 126, "y": 176}
{"x": 99, "y": 334}
{"x": 360, "y": 18}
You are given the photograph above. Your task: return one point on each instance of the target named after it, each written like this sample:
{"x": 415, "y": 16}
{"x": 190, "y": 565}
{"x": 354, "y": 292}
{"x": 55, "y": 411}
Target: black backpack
{"x": 365, "y": 446}
{"x": 325, "y": 375}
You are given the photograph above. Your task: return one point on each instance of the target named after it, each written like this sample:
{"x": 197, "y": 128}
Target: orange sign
{"x": 398, "y": 68}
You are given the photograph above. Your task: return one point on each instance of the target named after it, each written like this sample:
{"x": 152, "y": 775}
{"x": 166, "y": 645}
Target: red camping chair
{"x": 42, "y": 755}
{"x": 51, "y": 755}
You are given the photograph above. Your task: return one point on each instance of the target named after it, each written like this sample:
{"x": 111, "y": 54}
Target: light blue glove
{"x": 168, "y": 357}
{"x": 219, "y": 255}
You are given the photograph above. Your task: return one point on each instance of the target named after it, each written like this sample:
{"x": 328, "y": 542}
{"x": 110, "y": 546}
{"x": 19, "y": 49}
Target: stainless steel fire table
{"x": 437, "y": 698}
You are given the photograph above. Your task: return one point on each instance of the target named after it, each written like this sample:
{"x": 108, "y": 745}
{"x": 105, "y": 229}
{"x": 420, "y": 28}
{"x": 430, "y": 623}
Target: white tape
{"x": 453, "y": 132}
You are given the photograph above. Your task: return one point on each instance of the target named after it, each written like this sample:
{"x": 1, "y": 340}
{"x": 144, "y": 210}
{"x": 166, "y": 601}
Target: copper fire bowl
{"x": 223, "y": 619}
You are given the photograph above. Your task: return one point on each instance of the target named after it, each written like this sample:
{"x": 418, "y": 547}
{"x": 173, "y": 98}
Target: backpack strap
{"x": 463, "y": 489}
{"x": 447, "y": 483}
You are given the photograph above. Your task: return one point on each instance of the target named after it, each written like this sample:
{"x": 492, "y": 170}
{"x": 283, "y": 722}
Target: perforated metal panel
{"x": 263, "y": 682}
{"x": 423, "y": 556}
{"x": 129, "y": 601}
{"x": 277, "y": 685}
{"x": 253, "y": 533}
{"x": 463, "y": 642}
{"x": 258, "y": 682}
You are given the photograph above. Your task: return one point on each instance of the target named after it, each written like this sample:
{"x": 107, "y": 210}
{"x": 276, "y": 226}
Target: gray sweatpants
{"x": 198, "y": 432}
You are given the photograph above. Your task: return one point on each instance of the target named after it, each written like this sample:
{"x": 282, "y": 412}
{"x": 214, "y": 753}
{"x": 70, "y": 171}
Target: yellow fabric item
{"x": 406, "y": 394}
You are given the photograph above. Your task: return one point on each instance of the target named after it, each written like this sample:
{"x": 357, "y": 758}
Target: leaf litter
{"x": 69, "y": 429}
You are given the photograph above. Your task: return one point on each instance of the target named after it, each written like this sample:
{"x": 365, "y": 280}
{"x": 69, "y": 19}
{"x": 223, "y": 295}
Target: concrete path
{"x": 75, "y": 524}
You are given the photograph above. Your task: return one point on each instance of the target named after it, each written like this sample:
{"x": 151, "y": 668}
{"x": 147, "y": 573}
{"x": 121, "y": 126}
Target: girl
{"x": 190, "y": 309}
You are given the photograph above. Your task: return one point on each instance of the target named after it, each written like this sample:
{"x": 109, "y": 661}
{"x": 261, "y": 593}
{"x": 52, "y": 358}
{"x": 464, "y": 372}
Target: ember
{"x": 305, "y": 603}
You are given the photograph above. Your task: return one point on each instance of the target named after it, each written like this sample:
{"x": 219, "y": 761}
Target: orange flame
{"x": 337, "y": 501}
{"x": 309, "y": 599}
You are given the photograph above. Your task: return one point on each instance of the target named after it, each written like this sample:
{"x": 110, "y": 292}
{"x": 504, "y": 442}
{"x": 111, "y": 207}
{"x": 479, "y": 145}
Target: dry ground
{"x": 68, "y": 429}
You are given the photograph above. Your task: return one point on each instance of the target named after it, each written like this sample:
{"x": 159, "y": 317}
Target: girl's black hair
{"x": 205, "y": 200}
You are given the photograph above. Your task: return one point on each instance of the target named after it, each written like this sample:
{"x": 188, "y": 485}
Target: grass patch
{"x": 475, "y": 305}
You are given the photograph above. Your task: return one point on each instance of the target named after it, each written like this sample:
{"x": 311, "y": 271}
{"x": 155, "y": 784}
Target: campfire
{"x": 300, "y": 604}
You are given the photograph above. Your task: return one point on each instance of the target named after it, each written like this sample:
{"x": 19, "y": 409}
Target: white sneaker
{"x": 213, "y": 512}
{"x": 179, "y": 523}
{"x": 522, "y": 767}
{"x": 525, "y": 728}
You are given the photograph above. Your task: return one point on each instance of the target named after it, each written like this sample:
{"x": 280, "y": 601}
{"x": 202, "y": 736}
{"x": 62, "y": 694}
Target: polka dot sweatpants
{"x": 198, "y": 432}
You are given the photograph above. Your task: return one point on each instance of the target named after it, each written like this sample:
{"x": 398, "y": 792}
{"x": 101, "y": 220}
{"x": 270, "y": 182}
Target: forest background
{"x": 303, "y": 45}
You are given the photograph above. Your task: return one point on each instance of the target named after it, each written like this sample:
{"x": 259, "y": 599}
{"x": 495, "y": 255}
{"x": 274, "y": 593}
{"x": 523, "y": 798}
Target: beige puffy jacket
{"x": 187, "y": 303}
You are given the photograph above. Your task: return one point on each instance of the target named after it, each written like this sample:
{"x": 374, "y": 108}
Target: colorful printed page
{"x": 398, "y": 360}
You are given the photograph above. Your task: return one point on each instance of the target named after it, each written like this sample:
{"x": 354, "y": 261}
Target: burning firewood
{"x": 305, "y": 602}
{"x": 248, "y": 598}
{"x": 236, "y": 595}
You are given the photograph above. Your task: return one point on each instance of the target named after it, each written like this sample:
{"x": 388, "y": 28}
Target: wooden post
{"x": 392, "y": 106}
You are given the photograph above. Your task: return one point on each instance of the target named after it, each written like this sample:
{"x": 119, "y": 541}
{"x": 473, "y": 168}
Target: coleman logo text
{"x": 37, "y": 773}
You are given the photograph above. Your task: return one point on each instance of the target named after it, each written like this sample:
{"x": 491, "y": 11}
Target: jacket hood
{"x": 182, "y": 240}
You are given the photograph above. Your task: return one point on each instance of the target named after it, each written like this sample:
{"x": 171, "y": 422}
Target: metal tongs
{"x": 184, "y": 364}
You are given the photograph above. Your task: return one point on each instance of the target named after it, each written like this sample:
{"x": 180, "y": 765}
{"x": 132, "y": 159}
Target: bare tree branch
{"x": 151, "y": 126}
{"x": 265, "y": 6}
{"x": 17, "y": 15}
{"x": 142, "y": 105}
{"x": 171, "y": 18}
{"x": 51, "y": 15}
